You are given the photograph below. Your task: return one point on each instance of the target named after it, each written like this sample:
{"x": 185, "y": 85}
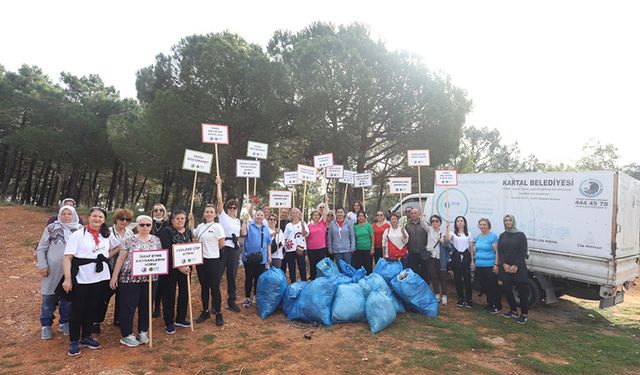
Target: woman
{"x": 212, "y": 236}
{"x": 378, "y": 229}
{"x": 230, "y": 253}
{"x": 486, "y": 246}
{"x": 355, "y": 208}
{"x": 134, "y": 291}
{"x": 256, "y": 255}
{"x": 50, "y": 254}
{"x": 121, "y": 218}
{"x": 512, "y": 252}
{"x": 175, "y": 233}
{"x": 437, "y": 263}
{"x": 160, "y": 221}
{"x": 462, "y": 261}
{"x": 363, "y": 232}
{"x": 295, "y": 246}
{"x": 341, "y": 240}
{"x": 86, "y": 275}
{"x": 317, "y": 240}
{"x": 394, "y": 240}
{"x": 277, "y": 242}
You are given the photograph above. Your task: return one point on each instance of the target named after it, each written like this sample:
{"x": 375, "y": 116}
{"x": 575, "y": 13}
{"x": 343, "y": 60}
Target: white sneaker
{"x": 444, "y": 300}
{"x": 143, "y": 338}
{"x": 130, "y": 341}
{"x": 64, "y": 328}
{"x": 438, "y": 297}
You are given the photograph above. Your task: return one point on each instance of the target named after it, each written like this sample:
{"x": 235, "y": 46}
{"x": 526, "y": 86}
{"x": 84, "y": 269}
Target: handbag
{"x": 256, "y": 257}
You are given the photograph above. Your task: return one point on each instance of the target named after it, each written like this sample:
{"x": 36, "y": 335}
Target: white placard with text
{"x": 323, "y": 161}
{"x": 197, "y": 161}
{"x": 307, "y": 173}
{"x": 446, "y": 178}
{"x": 417, "y": 158}
{"x": 212, "y": 133}
{"x": 248, "y": 168}
{"x": 257, "y": 150}
{"x": 400, "y": 185}
{"x": 348, "y": 177}
{"x": 280, "y": 199}
{"x": 149, "y": 262}
{"x": 291, "y": 178}
{"x": 363, "y": 180}
{"x": 334, "y": 171}
{"x": 187, "y": 254}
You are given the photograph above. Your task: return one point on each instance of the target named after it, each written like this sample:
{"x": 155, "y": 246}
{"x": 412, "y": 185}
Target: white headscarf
{"x": 73, "y": 225}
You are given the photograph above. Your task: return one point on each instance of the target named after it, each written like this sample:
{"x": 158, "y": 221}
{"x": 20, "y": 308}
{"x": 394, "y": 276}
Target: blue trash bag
{"x": 376, "y": 282}
{"x": 359, "y": 275}
{"x": 326, "y": 268}
{"x": 348, "y": 304}
{"x": 379, "y": 310}
{"x": 415, "y": 293}
{"x": 291, "y": 294}
{"x": 388, "y": 269}
{"x": 314, "y": 302}
{"x": 270, "y": 290}
{"x": 346, "y": 268}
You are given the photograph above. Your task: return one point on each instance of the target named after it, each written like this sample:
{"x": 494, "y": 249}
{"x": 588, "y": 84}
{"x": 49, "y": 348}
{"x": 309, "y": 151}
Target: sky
{"x": 550, "y": 75}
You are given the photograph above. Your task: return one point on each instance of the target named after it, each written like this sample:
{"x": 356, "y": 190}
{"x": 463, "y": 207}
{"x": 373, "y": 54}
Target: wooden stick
{"x": 150, "y": 313}
{"x": 247, "y": 189}
{"x": 255, "y": 186}
{"x": 189, "y": 297}
{"x": 364, "y": 207}
{"x": 333, "y": 190}
{"x": 293, "y": 196}
{"x": 344, "y": 200}
{"x": 304, "y": 199}
{"x": 193, "y": 191}
{"x": 419, "y": 189}
{"x": 215, "y": 147}
{"x": 401, "y": 209}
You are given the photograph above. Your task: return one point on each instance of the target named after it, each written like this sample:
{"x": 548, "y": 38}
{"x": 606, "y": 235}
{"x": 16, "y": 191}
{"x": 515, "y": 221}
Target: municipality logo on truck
{"x": 591, "y": 188}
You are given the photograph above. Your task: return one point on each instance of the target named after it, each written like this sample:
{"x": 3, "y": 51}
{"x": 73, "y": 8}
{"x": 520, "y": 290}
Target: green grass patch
{"x": 9, "y": 355}
{"x": 28, "y": 242}
{"x": 430, "y": 360}
{"x": 208, "y": 338}
{"x": 167, "y": 358}
{"x": 10, "y": 364}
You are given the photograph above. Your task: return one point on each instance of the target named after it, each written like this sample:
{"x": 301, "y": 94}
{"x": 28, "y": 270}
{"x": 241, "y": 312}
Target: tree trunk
{"x": 9, "y": 171}
{"x": 92, "y": 191}
{"x": 125, "y": 187}
{"x": 81, "y": 186}
{"x": 133, "y": 188}
{"x": 18, "y": 179}
{"x": 114, "y": 183}
{"x": 26, "y": 190}
{"x": 135, "y": 202}
{"x": 44, "y": 180}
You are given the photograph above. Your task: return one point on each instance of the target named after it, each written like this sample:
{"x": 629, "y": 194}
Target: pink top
{"x": 317, "y": 236}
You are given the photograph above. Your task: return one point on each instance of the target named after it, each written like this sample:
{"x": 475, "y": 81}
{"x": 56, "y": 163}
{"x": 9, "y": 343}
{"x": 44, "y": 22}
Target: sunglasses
{"x": 158, "y": 210}
{"x": 435, "y": 221}
{"x": 233, "y": 208}
{"x": 123, "y": 218}
{"x": 144, "y": 225}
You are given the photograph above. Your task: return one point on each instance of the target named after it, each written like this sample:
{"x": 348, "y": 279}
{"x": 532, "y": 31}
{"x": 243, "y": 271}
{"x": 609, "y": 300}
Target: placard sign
{"x": 280, "y": 199}
{"x": 215, "y": 134}
{"x": 306, "y": 173}
{"x": 416, "y": 158}
{"x": 257, "y": 150}
{"x": 335, "y": 171}
{"x": 400, "y": 185}
{"x": 248, "y": 168}
{"x": 348, "y": 177}
{"x": 323, "y": 161}
{"x": 446, "y": 178}
{"x": 291, "y": 178}
{"x": 149, "y": 262}
{"x": 187, "y": 254}
{"x": 363, "y": 180}
{"x": 197, "y": 161}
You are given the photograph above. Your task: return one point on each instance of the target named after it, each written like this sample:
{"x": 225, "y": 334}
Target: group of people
{"x": 82, "y": 266}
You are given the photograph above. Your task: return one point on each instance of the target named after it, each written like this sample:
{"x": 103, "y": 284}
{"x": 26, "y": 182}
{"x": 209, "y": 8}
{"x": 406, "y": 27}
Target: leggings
{"x": 168, "y": 286}
{"x": 134, "y": 296}
{"x": 209, "y": 276}
{"x": 523, "y": 291}
{"x": 314, "y": 257}
{"x": 489, "y": 285}
{"x": 291, "y": 259}
{"x": 462, "y": 275}
{"x": 86, "y": 305}
{"x": 252, "y": 272}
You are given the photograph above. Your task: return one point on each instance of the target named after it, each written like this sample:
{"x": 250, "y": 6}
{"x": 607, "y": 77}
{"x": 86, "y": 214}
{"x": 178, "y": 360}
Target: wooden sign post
{"x": 187, "y": 255}
{"x": 150, "y": 263}
{"x": 418, "y": 158}
{"x": 198, "y": 162}
{"x": 215, "y": 134}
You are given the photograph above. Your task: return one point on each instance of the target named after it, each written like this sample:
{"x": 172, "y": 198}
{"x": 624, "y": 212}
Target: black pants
{"x": 157, "y": 298}
{"x": 209, "y": 276}
{"x": 377, "y": 255}
{"x": 438, "y": 277}
{"x": 104, "y": 305}
{"x": 489, "y": 285}
{"x": 419, "y": 266}
{"x": 134, "y": 296}
{"x": 251, "y": 273}
{"x": 229, "y": 261}
{"x": 461, "y": 263}
{"x": 363, "y": 258}
{"x": 86, "y": 306}
{"x": 314, "y": 257}
{"x": 291, "y": 259}
{"x": 523, "y": 291}
{"x": 168, "y": 286}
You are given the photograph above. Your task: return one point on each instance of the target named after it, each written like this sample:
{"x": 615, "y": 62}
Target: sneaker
{"x": 460, "y": 303}
{"x": 219, "y": 320}
{"x": 130, "y": 341}
{"x": 247, "y": 303}
{"x": 156, "y": 312}
{"x": 204, "y": 315}
{"x": 254, "y": 300}
{"x": 468, "y": 305}
{"x": 64, "y": 328}
{"x": 522, "y": 319}
{"x": 96, "y": 328}
{"x": 46, "y": 333}
{"x": 90, "y": 343}
{"x": 444, "y": 300}
{"x": 511, "y": 314}
{"x": 143, "y": 338}
{"x": 170, "y": 329}
{"x": 233, "y": 307}
{"x": 494, "y": 311}
{"x": 183, "y": 323}
{"x": 74, "y": 349}
{"x": 438, "y": 297}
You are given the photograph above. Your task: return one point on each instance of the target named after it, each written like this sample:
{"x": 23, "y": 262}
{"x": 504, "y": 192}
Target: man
{"x": 417, "y": 245}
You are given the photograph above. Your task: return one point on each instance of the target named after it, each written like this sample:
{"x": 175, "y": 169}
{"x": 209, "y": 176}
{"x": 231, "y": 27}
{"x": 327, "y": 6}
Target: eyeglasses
{"x": 144, "y": 225}
{"x": 233, "y": 208}
{"x": 272, "y": 219}
{"x": 435, "y": 221}
{"x": 123, "y": 218}
{"x": 158, "y": 210}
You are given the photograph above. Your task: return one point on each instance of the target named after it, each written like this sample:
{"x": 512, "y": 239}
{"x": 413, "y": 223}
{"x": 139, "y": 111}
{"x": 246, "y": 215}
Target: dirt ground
{"x": 245, "y": 344}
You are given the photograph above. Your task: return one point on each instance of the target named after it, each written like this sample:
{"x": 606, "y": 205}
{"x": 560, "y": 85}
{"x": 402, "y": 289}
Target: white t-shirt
{"x": 293, "y": 237}
{"x": 82, "y": 245}
{"x": 279, "y": 254}
{"x": 433, "y": 239}
{"x": 462, "y": 242}
{"x": 229, "y": 226}
{"x": 209, "y": 234}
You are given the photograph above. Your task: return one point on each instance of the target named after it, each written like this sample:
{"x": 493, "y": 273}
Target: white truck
{"x": 583, "y": 228}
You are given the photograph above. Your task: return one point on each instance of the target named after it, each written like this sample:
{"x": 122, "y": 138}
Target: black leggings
{"x": 209, "y": 276}
{"x": 291, "y": 259}
{"x": 252, "y": 272}
{"x": 168, "y": 286}
{"x": 314, "y": 257}
{"x": 86, "y": 306}
{"x": 489, "y": 285}
{"x": 462, "y": 275}
{"x": 523, "y": 292}
{"x": 134, "y": 296}
{"x": 419, "y": 266}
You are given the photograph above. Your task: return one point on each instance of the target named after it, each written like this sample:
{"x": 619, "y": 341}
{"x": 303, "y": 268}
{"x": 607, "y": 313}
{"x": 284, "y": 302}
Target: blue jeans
{"x": 344, "y": 256}
{"x": 49, "y": 303}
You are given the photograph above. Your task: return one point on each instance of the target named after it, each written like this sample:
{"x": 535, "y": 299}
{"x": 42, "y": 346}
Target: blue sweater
{"x": 485, "y": 254}
{"x": 344, "y": 242}
{"x": 252, "y": 242}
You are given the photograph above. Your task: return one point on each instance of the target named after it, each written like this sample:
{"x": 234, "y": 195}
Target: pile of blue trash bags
{"x": 347, "y": 296}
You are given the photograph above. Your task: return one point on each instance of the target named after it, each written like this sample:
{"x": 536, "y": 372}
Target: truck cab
{"x": 413, "y": 201}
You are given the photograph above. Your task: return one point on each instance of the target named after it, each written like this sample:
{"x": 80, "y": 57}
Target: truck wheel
{"x": 534, "y": 293}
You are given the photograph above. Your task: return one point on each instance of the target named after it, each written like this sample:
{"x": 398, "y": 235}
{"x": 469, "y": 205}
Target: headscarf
{"x": 72, "y": 226}
{"x": 67, "y": 199}
{"x": 513, "y": 228}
